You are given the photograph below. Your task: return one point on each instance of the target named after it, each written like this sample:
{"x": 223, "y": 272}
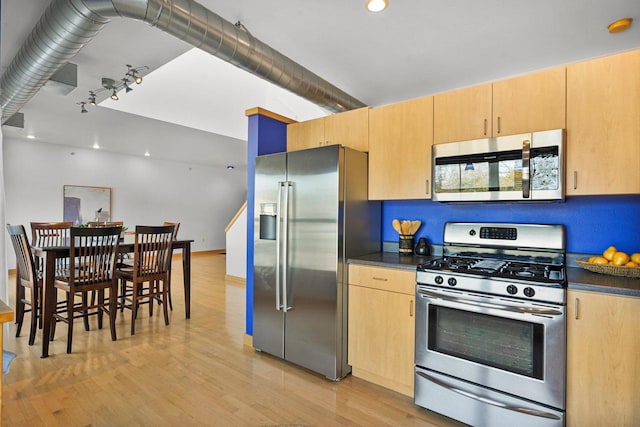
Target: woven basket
{"x": 611, "y": 270}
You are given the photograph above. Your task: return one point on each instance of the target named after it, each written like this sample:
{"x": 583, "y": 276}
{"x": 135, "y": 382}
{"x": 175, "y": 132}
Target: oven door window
{"x": 512, "y": 345}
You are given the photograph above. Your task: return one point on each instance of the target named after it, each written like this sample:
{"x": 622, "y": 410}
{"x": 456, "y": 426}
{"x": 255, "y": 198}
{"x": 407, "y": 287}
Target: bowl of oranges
{"x": 613, "y": 262}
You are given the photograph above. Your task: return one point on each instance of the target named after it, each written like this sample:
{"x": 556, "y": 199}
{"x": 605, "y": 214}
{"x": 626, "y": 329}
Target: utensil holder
{"x": 405, "y": 244}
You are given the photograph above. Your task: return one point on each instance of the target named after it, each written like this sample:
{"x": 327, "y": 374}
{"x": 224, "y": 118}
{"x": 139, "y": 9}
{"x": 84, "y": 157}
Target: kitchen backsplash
{"x": 592, "y": 223}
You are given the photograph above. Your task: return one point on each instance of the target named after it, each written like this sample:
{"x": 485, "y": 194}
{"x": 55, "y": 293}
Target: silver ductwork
{"x": 68, "y": 25}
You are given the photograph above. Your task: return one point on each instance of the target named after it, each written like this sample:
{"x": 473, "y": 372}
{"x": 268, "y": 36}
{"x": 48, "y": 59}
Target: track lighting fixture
{"x": 108, "y": 84}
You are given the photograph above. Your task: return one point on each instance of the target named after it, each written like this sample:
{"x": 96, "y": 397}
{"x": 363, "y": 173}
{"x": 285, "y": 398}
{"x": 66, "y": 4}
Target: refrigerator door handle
{"x": 285, "y": 237}
{"x": 278, "y": 244}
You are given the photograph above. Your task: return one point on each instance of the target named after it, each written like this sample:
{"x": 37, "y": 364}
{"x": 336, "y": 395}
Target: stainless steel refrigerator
{"x": 311, "y": 215}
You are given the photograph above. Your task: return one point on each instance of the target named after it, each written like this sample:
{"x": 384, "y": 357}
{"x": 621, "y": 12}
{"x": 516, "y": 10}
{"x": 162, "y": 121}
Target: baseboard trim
{"x": 235, "y": 280}
{"x": 247, "y": 340}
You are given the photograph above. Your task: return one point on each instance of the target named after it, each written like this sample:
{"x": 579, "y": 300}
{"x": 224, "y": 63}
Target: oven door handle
{"x": 528, "y": 411}
{"x": 513, "y": 309}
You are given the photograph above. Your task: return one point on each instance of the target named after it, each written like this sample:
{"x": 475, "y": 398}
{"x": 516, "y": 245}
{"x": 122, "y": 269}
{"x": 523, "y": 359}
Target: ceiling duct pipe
{"x": 68, "y": 25}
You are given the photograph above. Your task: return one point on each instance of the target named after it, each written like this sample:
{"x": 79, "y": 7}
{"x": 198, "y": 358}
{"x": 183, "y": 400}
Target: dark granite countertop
{"x": 578, "y": 278}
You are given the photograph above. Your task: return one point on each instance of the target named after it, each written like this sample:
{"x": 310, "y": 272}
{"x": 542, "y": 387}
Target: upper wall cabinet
{"x": 400, "y": 140}
{"x": 350, "y": 129}
{"x": 603, "y": 125}
{"x": 522, "y": 104}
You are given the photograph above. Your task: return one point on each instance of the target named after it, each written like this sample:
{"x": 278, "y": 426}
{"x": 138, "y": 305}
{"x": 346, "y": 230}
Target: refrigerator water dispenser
{"x": 268, "y": 219}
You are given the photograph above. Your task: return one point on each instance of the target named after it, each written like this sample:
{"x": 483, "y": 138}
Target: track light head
{"x": 137, "y": 77}
{"x": 125, "y": 83}
{"x": 114, "y": 95}
{"x": 92, "y": 98}
{"x": 82, "y": 108}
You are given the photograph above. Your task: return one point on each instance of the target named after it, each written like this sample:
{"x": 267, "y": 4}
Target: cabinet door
{"x": 530, "y": 103}
{"x": 307, "y": 134}
{"x": 603, "y": 363}
{"x": 462, "y": 114}
{"x": 603, "y": 125}
{"x": 381, "y": 337}
{"x": 400, "y": 140}
{"x": 350, "y": 129}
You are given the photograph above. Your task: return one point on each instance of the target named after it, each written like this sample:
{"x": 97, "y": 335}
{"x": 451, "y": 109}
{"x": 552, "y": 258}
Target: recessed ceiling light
{"x": 147, "y": 154}
{"x": 377, "y": 5}
{"x": 31, "y": 136}
{"x": 230, "y": 167}
{"x": 96, "y": 146}
{"x": 620, "y": 25}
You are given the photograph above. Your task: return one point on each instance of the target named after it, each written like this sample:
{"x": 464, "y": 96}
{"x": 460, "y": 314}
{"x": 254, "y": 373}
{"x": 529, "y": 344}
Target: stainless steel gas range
{"x": 491, "y": 327}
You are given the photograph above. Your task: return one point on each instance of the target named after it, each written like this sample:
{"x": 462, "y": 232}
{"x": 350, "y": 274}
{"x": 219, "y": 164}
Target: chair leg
{"x": 85, "y": 311}
{"x": 113, "y": 309}
{"x": 19, "y": 304}
{"x": 134, "y": 308}
{"x": 165, "y": 309}
{"x": 123, "y": 297}
{"x": 34, "y": 316}
{"x": 101, "y": 305}
{"x": 153, "y": 286}
{"x": 70, "y": 299}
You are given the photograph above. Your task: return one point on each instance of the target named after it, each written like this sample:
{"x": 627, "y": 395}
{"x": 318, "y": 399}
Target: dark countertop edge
{"x": 578, "y": 278}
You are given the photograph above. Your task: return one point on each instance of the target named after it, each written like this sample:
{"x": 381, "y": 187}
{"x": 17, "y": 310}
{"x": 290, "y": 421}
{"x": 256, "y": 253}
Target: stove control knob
{"x": 512, "y": 289}
{"x": 452, "y": 281}
{"x": 439, "y": 280}
{"x": 529, "y": 292}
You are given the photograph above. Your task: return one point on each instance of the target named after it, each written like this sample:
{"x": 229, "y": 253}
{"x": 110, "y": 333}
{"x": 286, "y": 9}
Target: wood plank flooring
{"x": 193, "y": 372}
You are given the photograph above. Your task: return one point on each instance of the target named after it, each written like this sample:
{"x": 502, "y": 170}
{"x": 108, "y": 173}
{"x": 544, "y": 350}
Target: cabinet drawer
{"x": 388, "y": 279}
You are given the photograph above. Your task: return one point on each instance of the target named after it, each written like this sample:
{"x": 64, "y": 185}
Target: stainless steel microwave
{"x": 520, "y": 167}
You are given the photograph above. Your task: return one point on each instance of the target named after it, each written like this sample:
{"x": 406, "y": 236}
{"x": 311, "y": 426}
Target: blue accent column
{"x": 267, "y": 135}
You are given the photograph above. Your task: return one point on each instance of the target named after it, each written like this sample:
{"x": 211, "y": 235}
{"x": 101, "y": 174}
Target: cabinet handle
{"x": 577, "y": 309}
{"x": 498, "y": 124}
{"x": 427, "y": 188}
{"x": 411, "y": 308}
{"x": 575, "y": 180}
{"x": 382, "y": 279}
{"x": 485, "y": 127}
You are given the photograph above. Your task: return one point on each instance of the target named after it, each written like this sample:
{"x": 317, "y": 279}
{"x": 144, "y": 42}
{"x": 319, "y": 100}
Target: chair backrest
{"x": 24, "y": 257}
{"x": 94, "y": 224}
{"x": 152, "y": 250}
{"x": 46, "y": 234}
{"x": 93, "y": 254}
{"x": 176, "y": 226}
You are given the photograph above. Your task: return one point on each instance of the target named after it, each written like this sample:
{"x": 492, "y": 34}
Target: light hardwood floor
{"x": 191, "y": 373}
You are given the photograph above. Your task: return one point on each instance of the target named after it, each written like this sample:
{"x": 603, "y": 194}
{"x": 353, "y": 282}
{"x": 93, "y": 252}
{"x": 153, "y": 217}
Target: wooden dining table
{"x": 52, "y": 253}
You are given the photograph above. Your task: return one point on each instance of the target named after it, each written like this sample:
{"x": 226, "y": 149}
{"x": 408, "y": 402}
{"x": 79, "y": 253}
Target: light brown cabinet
{"x": 350, "y": 129}
{"x": 507, "y": 107}
{"x": 603, "y": 125}
{"x": 603, "y": 362}
{"x": 382, "y": 326}
{"x": 400, "y": 140}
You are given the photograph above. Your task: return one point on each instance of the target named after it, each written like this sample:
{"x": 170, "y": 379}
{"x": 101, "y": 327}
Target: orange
{"x": 599, "y": 260}
{"x": 632, "y": 264}
{"x": 635, "y": 257}
{"x": 620, "y": 258}
{"x": 608, "y": 254}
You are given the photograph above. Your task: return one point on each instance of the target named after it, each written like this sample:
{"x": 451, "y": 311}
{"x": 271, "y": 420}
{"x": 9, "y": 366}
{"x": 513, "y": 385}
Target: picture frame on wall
{"x": 82, "y": 204}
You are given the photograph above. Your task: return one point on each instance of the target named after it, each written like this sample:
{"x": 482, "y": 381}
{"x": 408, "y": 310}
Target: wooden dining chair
{"x": 26, "y": 279}
{"x": 151, "y": 266}
{"x": 92, "y": 265}
{"x": 176, "y": 226}
{"x": 47, "y": 234}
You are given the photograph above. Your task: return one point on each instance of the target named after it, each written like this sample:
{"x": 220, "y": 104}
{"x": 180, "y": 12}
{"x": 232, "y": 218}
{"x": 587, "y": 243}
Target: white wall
{"x": 237, "y": 246}
{"x": 144, "y": 191}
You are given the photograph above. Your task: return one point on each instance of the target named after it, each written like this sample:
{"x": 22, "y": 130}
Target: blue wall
{"x": 592, "y": 223}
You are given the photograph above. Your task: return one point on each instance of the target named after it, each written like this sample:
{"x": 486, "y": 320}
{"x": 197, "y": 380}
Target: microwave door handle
{"x": 526, "y": 168}
{"x": 493, "y": 402}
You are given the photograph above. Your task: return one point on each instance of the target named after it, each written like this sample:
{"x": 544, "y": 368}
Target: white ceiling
{"x": 191, "y": 106}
